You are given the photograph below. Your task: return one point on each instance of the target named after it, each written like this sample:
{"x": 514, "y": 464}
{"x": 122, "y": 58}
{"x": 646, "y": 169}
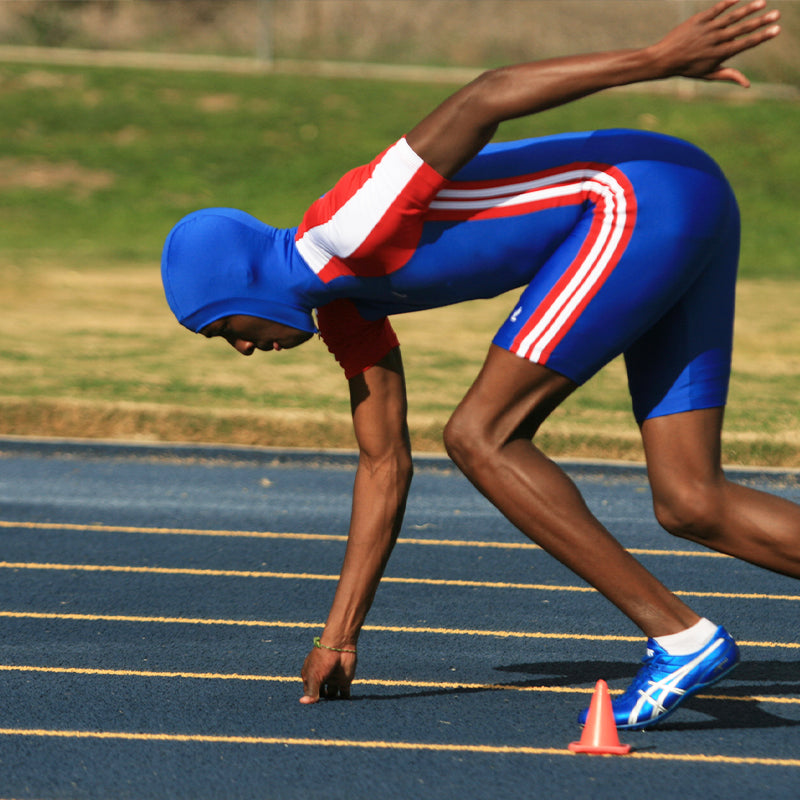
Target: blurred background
{"x": 117, "y": 117}
{"x": 454, "y": 33}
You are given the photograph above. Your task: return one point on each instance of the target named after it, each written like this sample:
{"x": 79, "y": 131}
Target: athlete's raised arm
{"x": 453, "y": 133}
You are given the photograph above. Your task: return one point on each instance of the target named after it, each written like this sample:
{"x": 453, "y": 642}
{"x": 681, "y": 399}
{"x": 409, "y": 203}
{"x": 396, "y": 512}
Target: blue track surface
{"x": 156, "y": 605}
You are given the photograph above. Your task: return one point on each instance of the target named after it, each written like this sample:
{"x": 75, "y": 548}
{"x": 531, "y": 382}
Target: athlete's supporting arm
{"x": 378, "y": 400}
{"x": 453, "y": 133}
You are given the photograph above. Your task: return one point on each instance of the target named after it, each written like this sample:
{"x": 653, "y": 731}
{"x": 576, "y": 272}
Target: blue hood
{"x": 220, "y": 261}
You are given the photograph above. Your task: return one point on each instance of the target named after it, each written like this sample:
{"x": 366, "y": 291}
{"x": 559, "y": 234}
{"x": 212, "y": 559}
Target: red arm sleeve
{"x": 356, "y": 343}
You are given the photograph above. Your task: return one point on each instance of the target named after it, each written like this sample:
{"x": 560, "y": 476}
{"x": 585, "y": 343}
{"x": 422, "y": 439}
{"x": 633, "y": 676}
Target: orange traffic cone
{"x": 600, "y": 732}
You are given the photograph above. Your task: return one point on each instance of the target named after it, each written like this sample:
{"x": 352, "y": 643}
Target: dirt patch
{"x": 48, "y": 175}
{"x": 217, "y": 103}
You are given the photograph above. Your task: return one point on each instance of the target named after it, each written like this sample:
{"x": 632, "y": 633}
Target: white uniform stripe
{"x": 506, "y": 201}
{"x": 613, "y": 206}
{"x": 351, "y": 224}
{"x": 514, "y": 187}
{"x": 588, "y": 272}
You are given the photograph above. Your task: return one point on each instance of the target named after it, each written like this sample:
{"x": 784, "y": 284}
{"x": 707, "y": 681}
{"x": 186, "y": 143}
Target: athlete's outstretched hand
{"x": 327, "y": 674}
{"x": 698, "y": 47}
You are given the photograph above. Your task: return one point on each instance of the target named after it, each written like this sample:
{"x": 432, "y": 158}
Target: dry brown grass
{"x": 90, "y": 353}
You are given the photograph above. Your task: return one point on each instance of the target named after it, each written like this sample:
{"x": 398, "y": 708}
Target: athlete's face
{"x": 248, "y": 334}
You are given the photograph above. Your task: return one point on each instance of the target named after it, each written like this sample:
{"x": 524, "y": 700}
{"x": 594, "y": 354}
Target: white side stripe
{"x": 505, "y": 201}
{"x": 514, "y": 187}
{"x": 350, "y": 225}
{"x": 613, "y": 206}
{"x": 658, "y": 693}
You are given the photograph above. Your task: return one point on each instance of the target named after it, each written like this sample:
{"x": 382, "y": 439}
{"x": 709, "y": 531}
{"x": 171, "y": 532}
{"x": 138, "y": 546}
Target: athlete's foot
{"x": 665, "y": 681}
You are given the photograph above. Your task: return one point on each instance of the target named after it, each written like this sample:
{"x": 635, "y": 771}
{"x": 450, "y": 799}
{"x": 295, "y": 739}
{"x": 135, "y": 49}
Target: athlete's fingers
{"x": 740, "y": 34}
{"x": 311, "y": 681}
{"x": 718, "y": 9}
{"x": 739, "y": 22}
{"x": 741, "y": 12}
{"x": 730, "y": 75}
{"x": 721, "y": 7}
{"x": 327, "y": 674}
{"x": 740, "y": 45}
{"x": 335, "y": 690}
{"x": 310, "y": 691}
{"x": 344, "y": 692}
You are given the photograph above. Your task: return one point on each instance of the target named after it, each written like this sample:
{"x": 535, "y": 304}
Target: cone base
{"x": 600, "y": 749}
{"x": 600, "y": 732}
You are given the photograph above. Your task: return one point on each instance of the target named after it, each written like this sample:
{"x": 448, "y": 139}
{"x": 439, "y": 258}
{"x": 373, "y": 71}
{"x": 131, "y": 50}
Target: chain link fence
{"x": 443, "y": 33}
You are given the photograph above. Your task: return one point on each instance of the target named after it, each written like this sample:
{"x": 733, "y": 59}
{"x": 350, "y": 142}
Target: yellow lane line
{"x": 234, "y": 573}
{"x": 318, "y": 537}
{"x": 403, "y": 684}
{"x": 257, "y": 623}
{"x": 383, "y": 745}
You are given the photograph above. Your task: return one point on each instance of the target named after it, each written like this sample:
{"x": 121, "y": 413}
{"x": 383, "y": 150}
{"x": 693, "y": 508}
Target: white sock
{"x": 689, "y": 641}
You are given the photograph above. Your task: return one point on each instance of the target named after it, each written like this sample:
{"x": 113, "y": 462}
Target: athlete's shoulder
{"x": 388, "y": 173}
{"x": 369, "y": 222}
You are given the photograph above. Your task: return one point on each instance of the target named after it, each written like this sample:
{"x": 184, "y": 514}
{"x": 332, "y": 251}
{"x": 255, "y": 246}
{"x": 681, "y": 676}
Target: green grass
{"x": 147, "y": 147}
{"x": 96, "y": 165}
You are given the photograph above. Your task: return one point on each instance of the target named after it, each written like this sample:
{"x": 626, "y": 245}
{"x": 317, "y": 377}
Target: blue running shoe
{"x": 665, "y": 681}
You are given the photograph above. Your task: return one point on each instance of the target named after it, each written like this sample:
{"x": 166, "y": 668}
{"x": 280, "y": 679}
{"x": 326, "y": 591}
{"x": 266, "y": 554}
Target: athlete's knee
{"x": 466, "y": 440}
{"x": 690, "y": 509}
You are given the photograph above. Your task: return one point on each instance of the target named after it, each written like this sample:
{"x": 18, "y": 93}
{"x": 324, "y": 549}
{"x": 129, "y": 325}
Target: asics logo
{"x": 658, "y": 694}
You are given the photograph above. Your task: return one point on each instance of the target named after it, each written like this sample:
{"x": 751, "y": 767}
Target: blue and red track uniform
{"x": 624, "y": 242}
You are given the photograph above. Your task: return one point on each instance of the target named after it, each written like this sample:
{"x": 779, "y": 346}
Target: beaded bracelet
{"x": 318, "y": 643}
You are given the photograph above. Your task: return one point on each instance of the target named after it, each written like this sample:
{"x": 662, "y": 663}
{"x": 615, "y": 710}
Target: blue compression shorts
{"x": 667, "y": 302}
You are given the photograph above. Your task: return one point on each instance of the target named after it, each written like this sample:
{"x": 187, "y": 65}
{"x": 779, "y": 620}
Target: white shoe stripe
{"x": 659, "y": 691}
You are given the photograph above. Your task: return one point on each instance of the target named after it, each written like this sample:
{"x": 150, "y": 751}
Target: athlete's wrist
{"x": 332, "y": 639}
{"x": 656, "y": 64}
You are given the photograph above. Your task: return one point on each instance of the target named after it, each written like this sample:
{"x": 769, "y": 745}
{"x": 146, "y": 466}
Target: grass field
{"x": 96, "y": 165}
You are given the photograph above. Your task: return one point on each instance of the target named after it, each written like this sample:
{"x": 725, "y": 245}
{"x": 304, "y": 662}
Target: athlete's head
{"x": 220, "y": 262}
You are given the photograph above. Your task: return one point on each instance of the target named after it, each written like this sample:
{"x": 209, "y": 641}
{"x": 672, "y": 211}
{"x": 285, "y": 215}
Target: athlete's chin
{"x": 289, "y": 342}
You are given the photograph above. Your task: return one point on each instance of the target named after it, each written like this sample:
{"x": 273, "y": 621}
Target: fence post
{"x": 264, "y": 51}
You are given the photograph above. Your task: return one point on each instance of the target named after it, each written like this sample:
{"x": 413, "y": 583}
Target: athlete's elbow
{"x": 483, "y": 100}
{"x": 392, "y": 466}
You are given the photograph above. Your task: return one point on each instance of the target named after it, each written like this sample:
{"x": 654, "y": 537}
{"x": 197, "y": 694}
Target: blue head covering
{"x": 220, "y": 261}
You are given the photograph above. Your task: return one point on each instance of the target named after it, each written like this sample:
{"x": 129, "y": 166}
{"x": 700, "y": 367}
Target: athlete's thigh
{"x": 683, "y": 361}
{"x": 510, "y": 397}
